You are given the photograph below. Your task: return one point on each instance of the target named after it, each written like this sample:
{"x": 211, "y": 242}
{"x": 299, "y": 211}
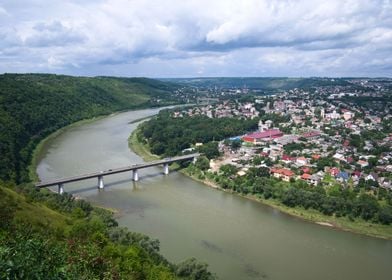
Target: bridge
{"x": 100, "y": 174}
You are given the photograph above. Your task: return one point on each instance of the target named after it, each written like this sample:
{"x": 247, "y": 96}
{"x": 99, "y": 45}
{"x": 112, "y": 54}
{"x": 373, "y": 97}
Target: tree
{"x": 193, "y": 270}
{"x": 203, "y": 163}
{"x": 235, "y": 145}
{"x": 385, "y": 215}
{"x": 366, "y": 206}
{"x": 210, "y": 150}
{"x": 228, "y": 170}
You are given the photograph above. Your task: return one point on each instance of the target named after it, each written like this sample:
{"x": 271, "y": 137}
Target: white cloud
{"x": 230, "y": 37}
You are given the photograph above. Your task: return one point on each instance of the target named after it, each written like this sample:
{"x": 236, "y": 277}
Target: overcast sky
{"x": 181, "y": 38}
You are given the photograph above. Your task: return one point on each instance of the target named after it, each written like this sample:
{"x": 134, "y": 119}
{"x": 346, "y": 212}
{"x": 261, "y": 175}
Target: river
{"x": 237, "y": 237}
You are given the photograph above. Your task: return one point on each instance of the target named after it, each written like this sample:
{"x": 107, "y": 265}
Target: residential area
{"x": 327, "y": 135}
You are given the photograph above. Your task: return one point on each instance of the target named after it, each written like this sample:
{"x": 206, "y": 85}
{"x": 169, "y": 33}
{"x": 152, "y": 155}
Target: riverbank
{"x": 357, "y": 226}
{"x": 37, "y": 153}
{"x": 139, "y": 148}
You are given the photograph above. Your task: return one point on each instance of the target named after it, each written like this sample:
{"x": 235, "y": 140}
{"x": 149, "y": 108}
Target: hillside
{"x": 267, "y": 84}
{"x": 34, "y": 105}
{"x": 44, "y": 235}
{"x": 47, "y": 236}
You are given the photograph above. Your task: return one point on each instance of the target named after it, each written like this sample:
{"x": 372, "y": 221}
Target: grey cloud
{"x": 54, "y": 34}
{"x": 225, "y": 37}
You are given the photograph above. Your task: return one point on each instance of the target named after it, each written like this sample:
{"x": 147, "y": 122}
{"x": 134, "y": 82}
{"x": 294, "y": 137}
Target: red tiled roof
{"x": 310, "y": 134}
{"x": 282, "y": 171}
{"x": 287, "y": 172}
{"x": 270, "y": 133}
{"x": 287, "y": 157}
{"x": 306, "y": 176}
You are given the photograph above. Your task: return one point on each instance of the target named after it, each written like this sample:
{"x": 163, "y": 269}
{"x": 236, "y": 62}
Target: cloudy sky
{"x": 187, "y": 38}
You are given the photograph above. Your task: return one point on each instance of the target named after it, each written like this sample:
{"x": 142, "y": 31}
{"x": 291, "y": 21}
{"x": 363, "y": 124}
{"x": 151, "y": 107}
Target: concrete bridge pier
{"x": 166, "y": 168}
{"x": 101, "y": 185}
{"x": 194, "y": 160}
{"x": 135, "y": 175}
{"x": 60, "y": 188}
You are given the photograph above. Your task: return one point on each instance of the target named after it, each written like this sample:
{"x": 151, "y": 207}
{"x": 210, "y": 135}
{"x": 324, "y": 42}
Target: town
{"x": 326, "y": 135}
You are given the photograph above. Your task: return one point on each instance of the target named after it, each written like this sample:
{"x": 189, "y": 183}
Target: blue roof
{"x": 343, "y": 175}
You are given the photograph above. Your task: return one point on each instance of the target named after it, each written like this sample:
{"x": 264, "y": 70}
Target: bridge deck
{"x": 115, "y": 171}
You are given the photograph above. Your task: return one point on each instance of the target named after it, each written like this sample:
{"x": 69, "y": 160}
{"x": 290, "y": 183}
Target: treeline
{"x": 49, "y": 236}
{"x": 34, "y": 105}
{"x": 168, "y": 136}
{"x": 333, "y": 200}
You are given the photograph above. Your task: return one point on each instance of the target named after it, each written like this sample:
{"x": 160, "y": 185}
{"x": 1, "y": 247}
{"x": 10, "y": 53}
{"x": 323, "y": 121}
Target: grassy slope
{"x": 33, "y": 219}
{"x": 140, "y": 148}
{"x": 37, "y": 215}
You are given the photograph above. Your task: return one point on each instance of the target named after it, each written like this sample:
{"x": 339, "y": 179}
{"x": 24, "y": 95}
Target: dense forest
{"x": 44, "y": 235}
{"x": 34, "y": 105}
{"x": 169, "y": 136}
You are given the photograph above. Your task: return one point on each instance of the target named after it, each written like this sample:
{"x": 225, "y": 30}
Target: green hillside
{"x": 44, "y": 235}
{"x": 48, "y": 236}
{"x": 34, "y": 105}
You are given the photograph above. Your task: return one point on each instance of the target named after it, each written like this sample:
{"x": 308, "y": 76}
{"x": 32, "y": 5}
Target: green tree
{"x": 203, "y": 163}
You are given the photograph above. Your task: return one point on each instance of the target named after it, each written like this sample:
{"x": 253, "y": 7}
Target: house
{"x": 342, "y": 176}
{"x": 266, "y": 135}
{"x": 333, "y": 171}
{"x": 306, "y": 170}
{"x": 282, "y": 173}
{"x": 315, "y": 179}
{"x": 287, "y": 158}
{"x": 385, "y": 183}
{"x": 301, "y": 161}
{"x": 356, "y": 174}
{"x": 347, "y": 115}
{"x": 306, "y": 177}
{"x": 311, "y": 134}
{"x": 339, "y": 157}
{"x": 372, "y": 176}
{"x": 362, "y": 163}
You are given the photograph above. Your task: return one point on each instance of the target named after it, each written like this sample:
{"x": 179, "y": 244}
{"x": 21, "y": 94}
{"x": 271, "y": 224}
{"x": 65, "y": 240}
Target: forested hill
{"x": 263, "y": 83}
{"x": 34, "y": 105}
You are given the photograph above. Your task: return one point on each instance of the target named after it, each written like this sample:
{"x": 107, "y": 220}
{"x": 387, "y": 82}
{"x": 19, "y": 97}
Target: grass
{"x": 343, "y": 223}
{"x": 34, "y": 213}
{"x": 139, "y": 148}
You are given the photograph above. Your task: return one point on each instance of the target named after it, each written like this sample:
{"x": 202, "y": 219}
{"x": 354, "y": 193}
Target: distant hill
{"x": 34, "y": 105}
{"x": 279, "y": 83}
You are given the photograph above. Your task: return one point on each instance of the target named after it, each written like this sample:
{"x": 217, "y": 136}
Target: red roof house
{"x": 262, "y": 136}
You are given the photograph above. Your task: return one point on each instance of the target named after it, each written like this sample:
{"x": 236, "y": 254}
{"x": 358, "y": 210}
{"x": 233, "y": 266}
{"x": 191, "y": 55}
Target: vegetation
{"x": 169, "y": 136}
{"x": 355, "y": 204}
{"x": 34, "y": 105}
{"x": 260, "y": 83}
{"x": 365, "y": 208}
{"x": 49, "y": 236}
